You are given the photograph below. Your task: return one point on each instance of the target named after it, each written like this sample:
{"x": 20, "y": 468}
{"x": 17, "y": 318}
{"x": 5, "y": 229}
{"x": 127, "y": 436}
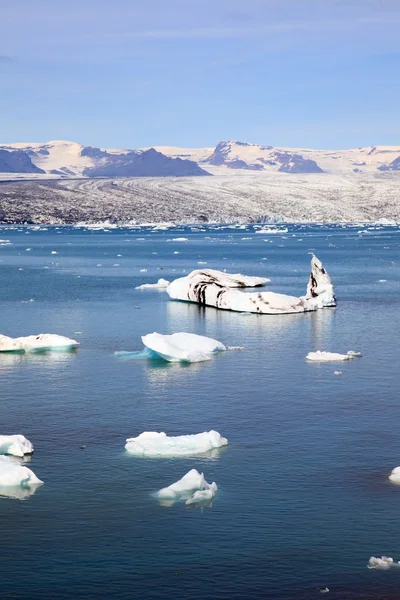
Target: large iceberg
{"x": 152, "y": 443}
{"x": 182, "y": 347}
{"x": 215, "y": 288}
{"x": 17, "y": 445}
{"x": 321, "y": 356}
{"x": 13, "y": 474}
{"x": 44, "y": 342}
{"x": 188, "y": 489}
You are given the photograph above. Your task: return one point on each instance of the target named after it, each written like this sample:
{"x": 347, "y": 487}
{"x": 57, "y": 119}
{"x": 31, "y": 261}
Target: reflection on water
{"x": 321, "y": 328}
{"x": 9, "y": 360}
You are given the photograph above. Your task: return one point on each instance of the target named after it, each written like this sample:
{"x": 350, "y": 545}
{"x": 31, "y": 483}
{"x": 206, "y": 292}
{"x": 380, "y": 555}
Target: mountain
{"x": 17, "y": 162}
{"x": 241, "y": 156}
{"x": 147, "y": 163}
{"x": 70, "y": 160}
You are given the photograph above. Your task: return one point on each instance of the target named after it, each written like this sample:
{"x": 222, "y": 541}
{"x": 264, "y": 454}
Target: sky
{"x": 131, "y": 74}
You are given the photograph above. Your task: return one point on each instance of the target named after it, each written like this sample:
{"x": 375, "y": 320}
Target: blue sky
{"x": 127, "y": 73}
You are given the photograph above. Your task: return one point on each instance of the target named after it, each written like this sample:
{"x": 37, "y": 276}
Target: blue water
{"x": 303, "y": 498}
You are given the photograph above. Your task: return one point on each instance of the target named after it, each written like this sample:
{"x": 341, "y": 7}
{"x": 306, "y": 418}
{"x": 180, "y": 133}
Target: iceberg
{"x": 320, "y": 290}
{"x": 13, "y": 474}
{"x": 8, "y": 344}
{"x": 154, "y": 444}
{"x": 161, "y": 284}
{"x": 385, "y": 562}
{"x": 182, "y": 347}
{"x": 17, "y": 445}
{"x": 215, "y": 288}
{"x": 187, "y": 488}
{"x": 203, "y": 495}
{"x": 44, "y": 342}
{"x": 395, "y": 475}
{"x": 321, "y": 356}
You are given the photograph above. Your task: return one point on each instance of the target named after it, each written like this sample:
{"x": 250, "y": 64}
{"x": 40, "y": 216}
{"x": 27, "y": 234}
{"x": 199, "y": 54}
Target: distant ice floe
{"x": 182, "y": 347}
{"x": 214, "y": 288}
{"x": 161, "y": 284}
{"x": 332, "y": 356}
{"x": 192, "y": 487}
{"x": 154, "y": 444}
{"x": 385, "y": 562}
{"x": 270, "y": 230}
{"x": 16, "y": 445}
{"x": 13, "y": 476}
{"x": 44, "y": 342}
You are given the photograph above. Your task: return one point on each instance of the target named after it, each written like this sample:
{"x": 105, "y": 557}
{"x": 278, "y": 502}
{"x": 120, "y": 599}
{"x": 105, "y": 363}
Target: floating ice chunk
{"x": 186, "y": 488}
{"x": 203, "y": 495}
{"x": 182, "y": 347}
{"x": 14, "y": 474}
{"x": 45, "y": 342}
{"x": 161, "y": 284}
{"x": 180, "y": 239}
{"x": 54, "y": 252}
{"x": 385, "y": 562}
{"x": 320, "y": 289}
{"x": 152, "y": 443}
{"x": 214, "y": 288}
{"x": 331, "y": 356}
{"x": 8, "y": 344}
{"x": 395, "y": 475}
{"x": 17, "y": 445}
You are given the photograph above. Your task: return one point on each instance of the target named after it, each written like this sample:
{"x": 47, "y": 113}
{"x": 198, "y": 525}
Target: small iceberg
{"x": 320, "y": 356}
{"x": 385, "y": 562}
{"x": 44, "y": 342}
{"x": 216, "y": 288}
{"x": 161, "y": 284}
{"x": 16, "y": 445}
{"x": 188, "y": 489}
{"x": 182, "y": 347}
{"x": 12, "y": 474}
{"x": 154, "y": 444}
{"x": 395, "y": 475}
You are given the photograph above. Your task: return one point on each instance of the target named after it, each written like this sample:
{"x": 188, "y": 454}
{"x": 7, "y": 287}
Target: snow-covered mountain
{"x": 70, "y": 160}
{"x": 64, "y": 159}
{"x": 254, "y": 157}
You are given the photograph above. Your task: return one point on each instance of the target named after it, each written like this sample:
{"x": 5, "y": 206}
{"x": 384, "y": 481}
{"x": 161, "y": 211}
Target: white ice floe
{"x": 395, "y": 475}
{"x": 14, "y": 474}
{"x": 17, "y": 445}
{"x": 182, "y": 347}
{"x": 154, "y": 444}
{"x": 161, "y": 284}
{"x": 179, "y": 239}
{"x": 385, "y": 562}
{"x": 187, "y": 488}
{"x": 214, "y": 288}
{"x": 37, "y": 343}
{"x": 320, "y": 356}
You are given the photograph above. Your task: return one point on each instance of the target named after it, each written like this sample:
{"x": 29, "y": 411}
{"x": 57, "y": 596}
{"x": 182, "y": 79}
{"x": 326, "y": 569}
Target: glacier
{"x": 187, "y": 487}
{"x": 321, "y": 356}
{"x": 182, "y": 347}
{"x": 16, "y": 445}
{"x": 13, "y": 474}
{"x": 44, "y": 342}
{"x": 154, "y": 444}
{"x": 215, "y": 288}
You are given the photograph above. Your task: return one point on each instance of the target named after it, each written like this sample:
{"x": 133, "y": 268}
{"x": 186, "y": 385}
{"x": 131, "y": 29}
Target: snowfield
{"x": 235, "y": 196}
